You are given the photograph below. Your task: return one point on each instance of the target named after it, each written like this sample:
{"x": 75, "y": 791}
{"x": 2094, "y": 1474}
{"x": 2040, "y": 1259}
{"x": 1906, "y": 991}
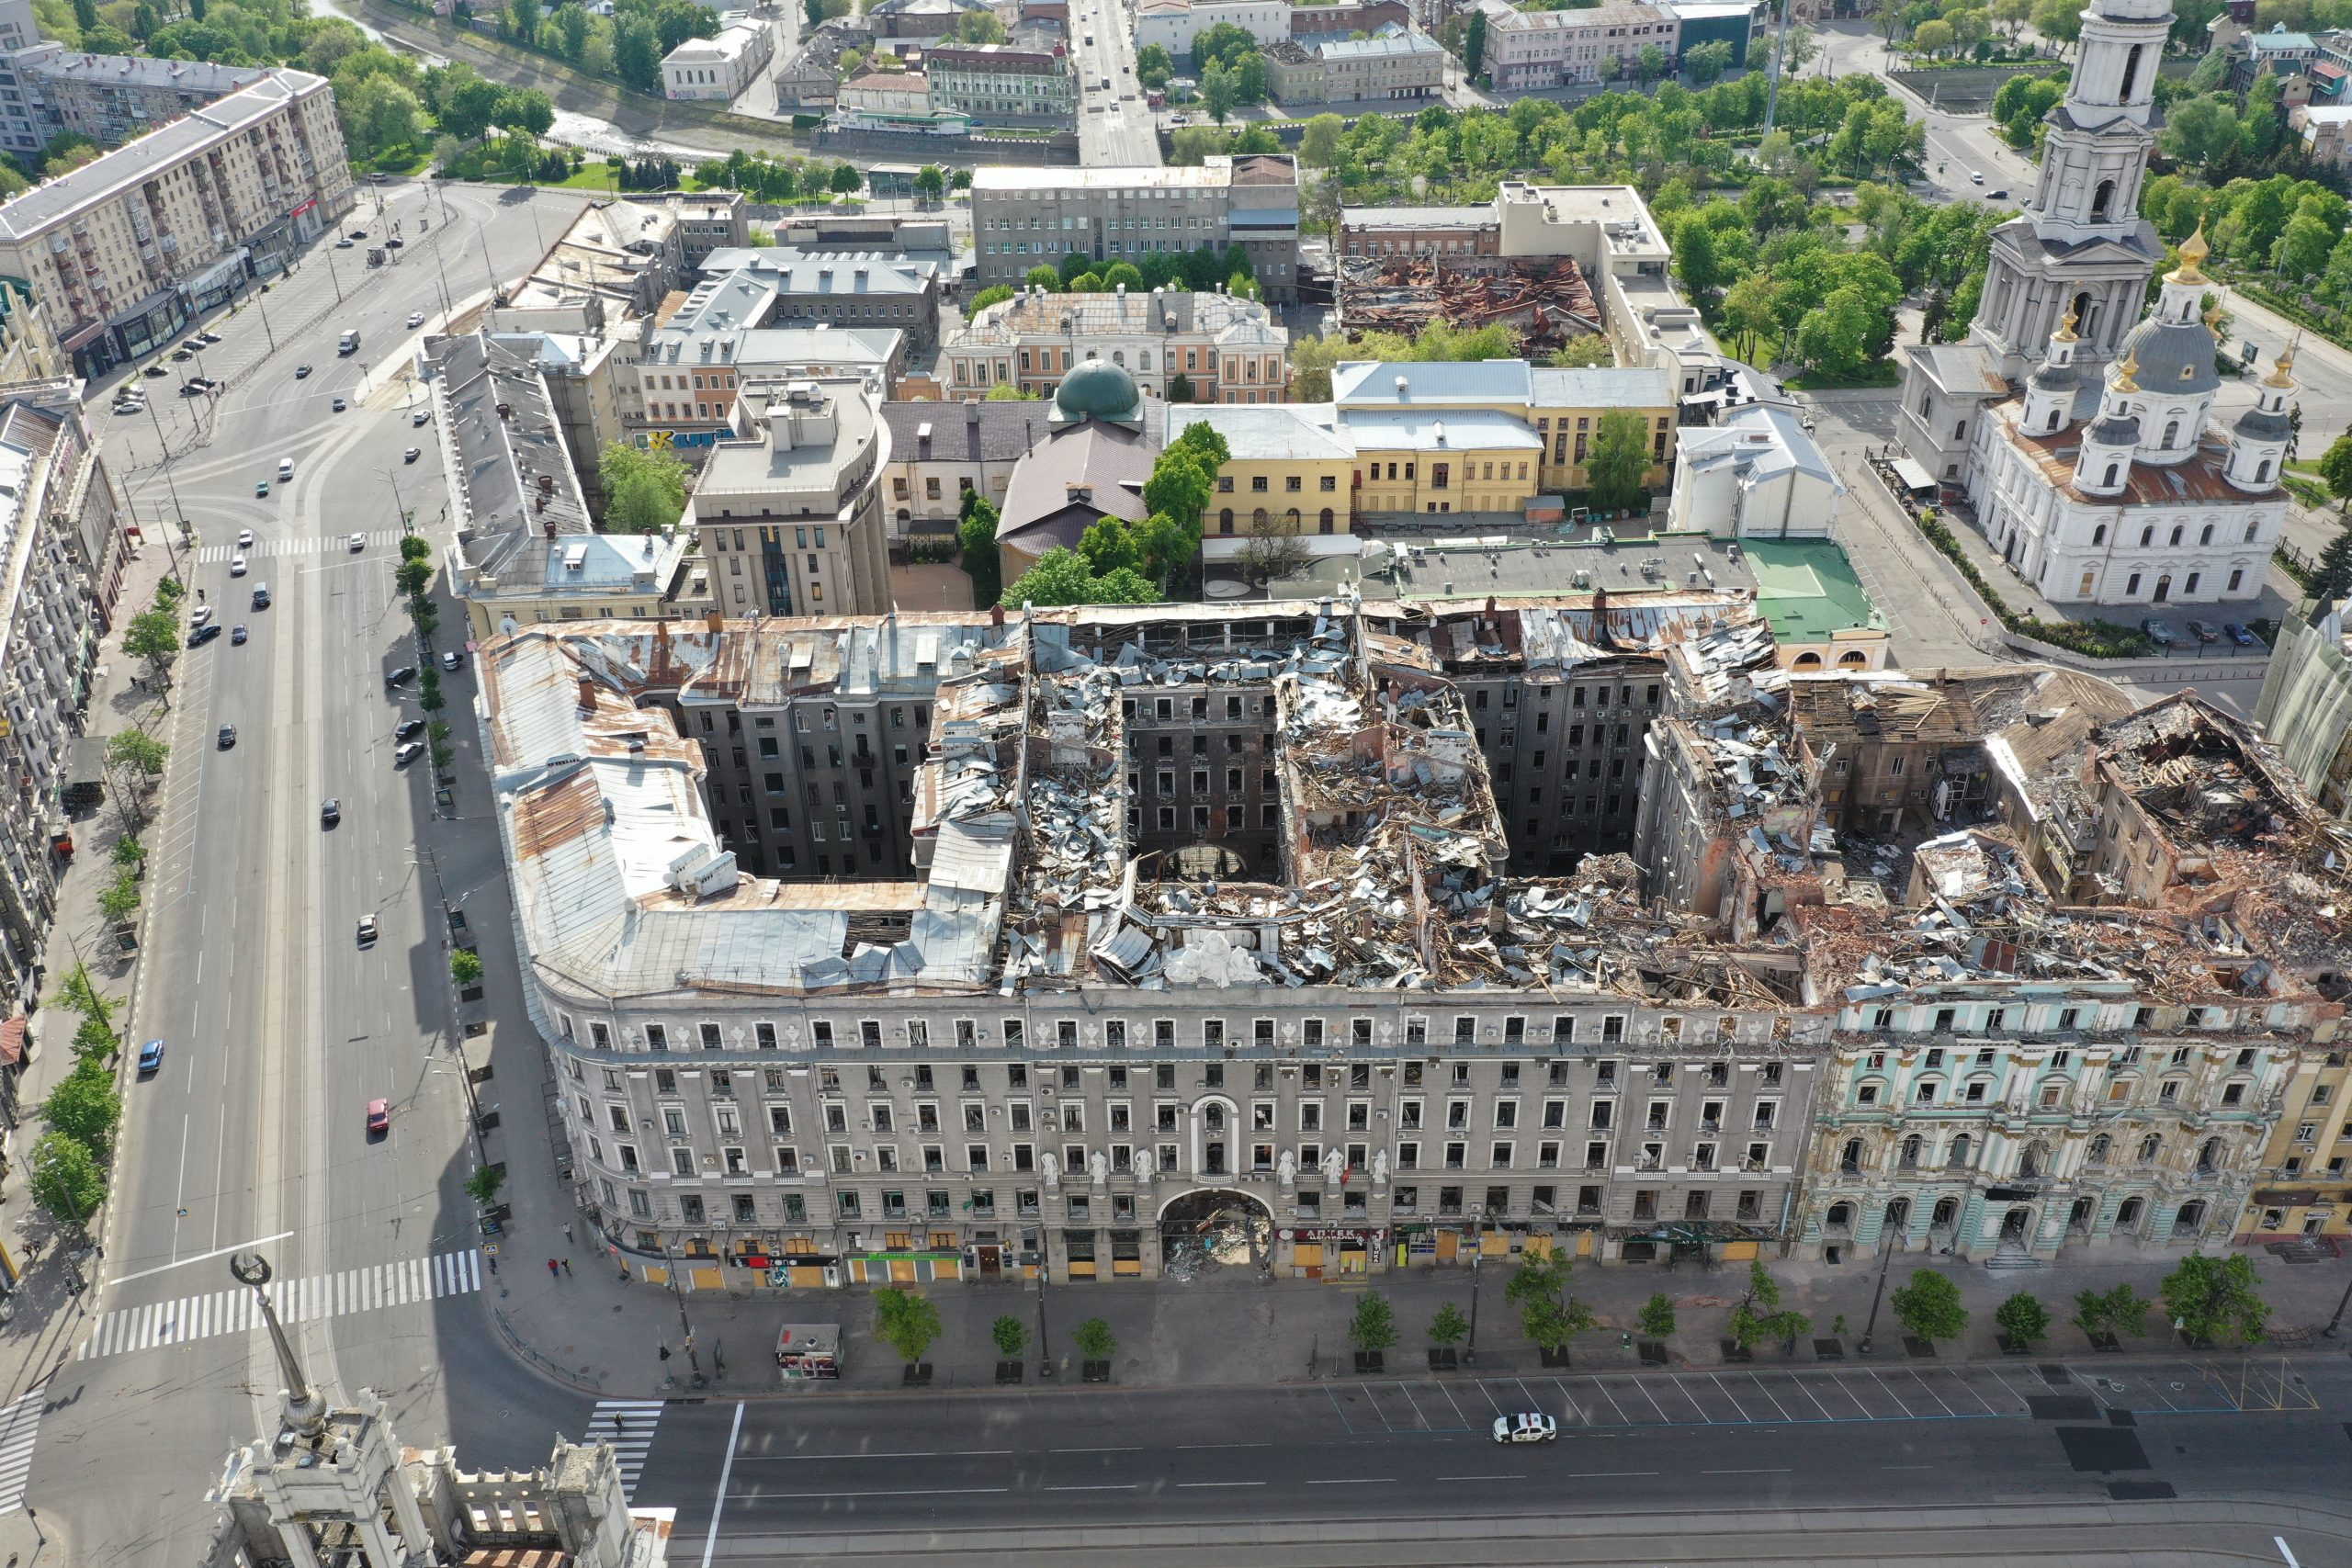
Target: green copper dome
{"x": 1096, "y": 390}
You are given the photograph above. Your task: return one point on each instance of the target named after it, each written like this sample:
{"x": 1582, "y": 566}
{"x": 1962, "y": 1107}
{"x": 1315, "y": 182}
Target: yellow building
{"x": 1561, "y": 407}
{"x": 1290, "y": 471}
{"x": 2302, "y": 1188}
{"x": 1431, "y": 460}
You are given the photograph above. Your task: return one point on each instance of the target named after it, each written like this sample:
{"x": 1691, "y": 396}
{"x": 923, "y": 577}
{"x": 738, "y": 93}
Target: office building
{"x": 1031, "y": 216}
{"x": 789, "y": 505}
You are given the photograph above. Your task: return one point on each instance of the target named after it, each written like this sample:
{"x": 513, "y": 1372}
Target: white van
{"x": 348, "y": 344}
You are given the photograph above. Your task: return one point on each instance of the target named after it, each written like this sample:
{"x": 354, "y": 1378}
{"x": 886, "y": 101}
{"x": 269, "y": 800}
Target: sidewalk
{"x": 48, "y": 1319}
{"x": 589, "y": 1330}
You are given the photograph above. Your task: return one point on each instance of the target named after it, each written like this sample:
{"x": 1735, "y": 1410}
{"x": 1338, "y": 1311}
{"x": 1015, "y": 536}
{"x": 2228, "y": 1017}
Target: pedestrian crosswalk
{"x": 307, "y": 545}
{"x": 304, "y": 1300}
{"x": 627, "y": 1425}
{"x": 20, "y": 1425}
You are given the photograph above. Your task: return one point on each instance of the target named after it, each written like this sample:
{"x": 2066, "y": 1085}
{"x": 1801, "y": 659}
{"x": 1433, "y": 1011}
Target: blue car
{"x": 2238, "y": 634}
{"x": 151, "y": 1057}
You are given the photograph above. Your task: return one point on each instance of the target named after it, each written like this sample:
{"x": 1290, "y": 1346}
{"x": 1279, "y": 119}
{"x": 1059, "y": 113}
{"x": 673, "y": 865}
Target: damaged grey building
{"x": 1203, "y": 953}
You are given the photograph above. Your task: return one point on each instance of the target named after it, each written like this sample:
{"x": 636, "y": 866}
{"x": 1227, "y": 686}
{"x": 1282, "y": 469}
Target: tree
{"x": 1936, "y": 37}
{"x": 1538, "y": 1277}
{"x": 377, "y": 115}
{"x": 1473, "y": 45}
{"x": 1219, "y": 91}
{"x": 1550, "y": 1323}
{"x": 153, "y": 636}
{"x": 118, "y": 899}
{"x": 1011, "y": 1336}
{"x": 1062, "y": 577}
{"x": 2201, "y": 130}
{"x": 1318, "y": 141}
{"x": 412, "y": 577}
{"x": 1657, "y": 1317}
{"x": 644, "y": 490}
{"x": 1650, "y": 64}
{"x": 1373, "y": 1327}
{"x": 92, "y": 1038}
{"x": 1707, "y": 62}
{"x": 1694, "y": 258}
{"x": 977, "y": 532}
{"x": 2215, "y": 1300}
{"x": 1271, "y": 558}
{"x": 67, "y": 1182}
{"x": 1835, "y": 338}
{"x": 637, "y": 52}
{"x": 461, "y": 100}
{"x": 86, "y": 1107}
{"x": 78, "y": 992}
{"x": 570, "y": 25}
{"x": 1448, "y": 1327}
{"x": 523, "y": 20}
{"x": 980, "y": 26}
{"x": 2023, "y": 1318}
{"x": 527, "y": 108}
{"x": 2332, "y": 580}
{"x": 1153, "y": 65}
{"x": 1929, "y": 1306}
{"x": 482, "y": 1185}
{"x": 137, "y": 750}
{"x": 846, "y": 180}
{"x": 1749, "y": 1327}
{"x": 1094, "y": 1340}
{"x": 1179, "y": 486}
{"x": 931, "y": 180}
{"x": 2117, "y": 1312}
{"x": 1043, "y": 278}
{"x": 465, "y": 966}
{"x": 905, "y": 1322}
{"x": 1618, "y": 459}
{"x": 1179, "y": 388}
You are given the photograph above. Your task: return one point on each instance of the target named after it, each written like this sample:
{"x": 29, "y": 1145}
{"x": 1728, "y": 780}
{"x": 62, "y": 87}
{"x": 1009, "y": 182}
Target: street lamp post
{"x": 1044, "y": 1351}
{"x": 685, "y": 1327}
{"x": 1478, "y": 1259}
{"x": 2336, "y": 1324}
{"x": 1885, "y": 1257}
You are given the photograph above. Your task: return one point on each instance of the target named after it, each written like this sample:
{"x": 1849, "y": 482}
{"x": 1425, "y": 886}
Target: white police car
{"x": 1526, "y": 1427}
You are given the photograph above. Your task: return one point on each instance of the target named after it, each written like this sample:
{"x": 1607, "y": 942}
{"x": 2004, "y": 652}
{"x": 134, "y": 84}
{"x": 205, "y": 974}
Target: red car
{"x": 379, "y": 1117}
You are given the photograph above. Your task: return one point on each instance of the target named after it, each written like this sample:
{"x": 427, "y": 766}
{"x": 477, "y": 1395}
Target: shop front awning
{"x": 1913, "y": 475}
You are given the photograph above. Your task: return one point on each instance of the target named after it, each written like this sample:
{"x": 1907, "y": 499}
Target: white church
{"x": 2098, "y": 472}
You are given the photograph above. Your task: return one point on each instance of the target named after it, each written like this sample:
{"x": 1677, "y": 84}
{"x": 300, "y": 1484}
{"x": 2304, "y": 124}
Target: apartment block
{"x": 123, "y": 250}
{"x": 789, "y": 505}
{"x": 1028, "y": 217}
{"x": 47, "y": 90}
{"x": 63, "y": 547}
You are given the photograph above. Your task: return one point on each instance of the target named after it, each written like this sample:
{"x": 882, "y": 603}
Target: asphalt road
{"x": 789, "y": 1471}
{"x": 280, "y": 1027}
{"x": 1114, "y": 127}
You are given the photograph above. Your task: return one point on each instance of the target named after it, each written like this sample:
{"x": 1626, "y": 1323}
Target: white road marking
{"x": 298, "y": 1300}
{"x": 627, "y": 1425}
{"x": 19, "y": 1429}
{"x": 710, "y": 1542}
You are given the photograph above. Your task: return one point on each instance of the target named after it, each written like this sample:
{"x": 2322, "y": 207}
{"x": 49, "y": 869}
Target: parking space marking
{"x": 1766, "y": 1389}
{"x": 1611, "y": 1398}
{"x": 1570, "y": 1401}
{"x": 1337, "y": 1410}
{"x": 1373, "y": 1400}
{"x": 1929, "y": 1390}
{"x": 1805, "y": 1386}
{"x": 1860, "y": 1403}
{"x": 1459, "y": 1414}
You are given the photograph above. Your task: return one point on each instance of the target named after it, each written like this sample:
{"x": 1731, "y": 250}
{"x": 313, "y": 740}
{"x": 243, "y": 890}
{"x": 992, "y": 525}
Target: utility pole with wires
{"x": 1780, "y": 43}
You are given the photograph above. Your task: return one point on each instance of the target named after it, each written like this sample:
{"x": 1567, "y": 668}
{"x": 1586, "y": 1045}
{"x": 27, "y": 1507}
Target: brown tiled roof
{"x": 2195, "y": 482}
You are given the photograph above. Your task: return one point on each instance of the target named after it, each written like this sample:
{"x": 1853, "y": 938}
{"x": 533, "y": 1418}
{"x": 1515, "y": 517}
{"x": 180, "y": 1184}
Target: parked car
{"x": 1528, "y": 1427}
{"x": 403, "y": 755}
{"x": 409, "y": 729}
{"x": 343, "y": 244}
{"x": 2239, "y": 635}
{"x": 155, "y": 369}
{"x": 2158, "y": 633}
{"x": 453, "y": 659}
{"x": 150, "y": 1058}
{"x": 2204, "y": 631}
{"x": 201, "y": 635}
{"x": 399, "y": 675}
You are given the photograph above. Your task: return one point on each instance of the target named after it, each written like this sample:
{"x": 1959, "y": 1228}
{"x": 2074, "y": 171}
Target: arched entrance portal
{"x": 1202, "y": 1232}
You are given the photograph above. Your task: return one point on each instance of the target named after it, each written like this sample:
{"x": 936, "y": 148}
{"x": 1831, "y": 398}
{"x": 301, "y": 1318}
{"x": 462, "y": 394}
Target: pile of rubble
{"x": 1547, "y": 303}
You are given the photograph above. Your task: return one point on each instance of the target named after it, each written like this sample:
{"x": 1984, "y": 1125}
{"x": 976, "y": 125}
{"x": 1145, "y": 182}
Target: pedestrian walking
{"x": 553, "y": 1268}
{"x": 567, "y": 1267}
{"x": 567, "y": 1233}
